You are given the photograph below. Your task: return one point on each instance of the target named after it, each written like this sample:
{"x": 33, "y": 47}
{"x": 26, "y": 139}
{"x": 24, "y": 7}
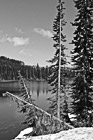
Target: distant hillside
{"x": 9, "y": 70}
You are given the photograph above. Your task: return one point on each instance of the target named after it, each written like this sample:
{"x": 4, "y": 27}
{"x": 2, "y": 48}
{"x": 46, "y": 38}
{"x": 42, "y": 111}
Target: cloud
{"x": 44, "y": 33}
{"x": 4, "y": 38}
{"x": 25, "y": 52}
{"x": 16, "y": 41}
{"x": 19, "y": 30}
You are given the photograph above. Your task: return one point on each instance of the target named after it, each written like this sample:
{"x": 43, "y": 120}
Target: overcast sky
{"x": 26, "y": 29}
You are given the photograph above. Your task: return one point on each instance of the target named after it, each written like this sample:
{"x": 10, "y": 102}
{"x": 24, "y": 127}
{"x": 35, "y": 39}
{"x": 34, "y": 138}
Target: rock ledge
{"x": 82, "y": 133}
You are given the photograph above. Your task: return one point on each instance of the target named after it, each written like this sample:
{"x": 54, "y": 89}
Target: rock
{"x": 82, "y": 133}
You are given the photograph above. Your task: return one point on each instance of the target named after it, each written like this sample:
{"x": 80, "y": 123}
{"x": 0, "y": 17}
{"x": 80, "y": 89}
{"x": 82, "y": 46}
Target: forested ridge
{"x": 9, "y": 70}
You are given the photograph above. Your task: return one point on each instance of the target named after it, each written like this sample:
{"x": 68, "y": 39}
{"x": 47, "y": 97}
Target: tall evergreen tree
{"x": 38, "y": 71}
{"x": 82, "y": 91}
{"x": 57, "y": 62}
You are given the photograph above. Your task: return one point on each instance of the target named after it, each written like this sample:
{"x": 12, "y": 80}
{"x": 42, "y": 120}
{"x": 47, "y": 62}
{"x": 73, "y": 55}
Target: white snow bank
{"x": 82, "y": 133}
{"x": 25, "y": 131}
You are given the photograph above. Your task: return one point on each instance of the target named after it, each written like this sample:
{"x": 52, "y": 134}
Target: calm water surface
{"x": 10, "y": 118}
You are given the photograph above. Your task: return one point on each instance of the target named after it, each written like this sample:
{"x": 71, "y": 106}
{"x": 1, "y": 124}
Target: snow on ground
{"x": 82, "y": 133}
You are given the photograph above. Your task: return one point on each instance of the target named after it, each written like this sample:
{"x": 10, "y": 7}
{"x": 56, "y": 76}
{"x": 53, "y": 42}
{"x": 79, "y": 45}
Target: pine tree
{"x": 38, "y": 71}
{"x": 57, "y": 62}
{"x": 82, "y": 90}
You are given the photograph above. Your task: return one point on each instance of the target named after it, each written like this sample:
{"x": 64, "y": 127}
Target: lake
{"x": 10, "y": 118}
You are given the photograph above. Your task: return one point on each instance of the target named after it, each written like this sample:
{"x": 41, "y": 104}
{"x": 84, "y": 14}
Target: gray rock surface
{"x": 82, "y": 133}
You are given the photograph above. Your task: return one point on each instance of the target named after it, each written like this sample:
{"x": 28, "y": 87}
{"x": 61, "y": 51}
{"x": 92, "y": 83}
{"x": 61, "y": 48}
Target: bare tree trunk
{"x": 59, "y": 72}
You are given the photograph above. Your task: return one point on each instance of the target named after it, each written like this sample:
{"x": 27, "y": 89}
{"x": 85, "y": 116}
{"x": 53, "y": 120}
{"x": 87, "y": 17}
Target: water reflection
{"x": 33, "y": 86}
{"x": 38, "y": 91}
{"x": 10, "y": 118}
{"x": 38, "y": 88}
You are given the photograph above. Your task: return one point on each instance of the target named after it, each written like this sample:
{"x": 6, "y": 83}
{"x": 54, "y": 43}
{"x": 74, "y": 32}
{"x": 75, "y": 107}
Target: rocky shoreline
{"x": 82, "y": 133}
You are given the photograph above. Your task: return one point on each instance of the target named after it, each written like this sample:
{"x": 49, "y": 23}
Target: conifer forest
{"x": 58, "y": 73}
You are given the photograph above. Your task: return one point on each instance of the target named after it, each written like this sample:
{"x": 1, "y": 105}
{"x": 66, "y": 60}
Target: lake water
{"x": 10, "y": 118}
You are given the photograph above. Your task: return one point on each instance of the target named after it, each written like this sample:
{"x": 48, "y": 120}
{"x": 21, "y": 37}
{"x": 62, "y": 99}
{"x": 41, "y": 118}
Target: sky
{"x": 26, "y": 28}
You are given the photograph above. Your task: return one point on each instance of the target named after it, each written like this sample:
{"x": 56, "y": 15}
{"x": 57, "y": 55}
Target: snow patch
{"x": 24, "y": 132}
{"x": 72, "y": 116}
{"x": 81, "y": 133}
